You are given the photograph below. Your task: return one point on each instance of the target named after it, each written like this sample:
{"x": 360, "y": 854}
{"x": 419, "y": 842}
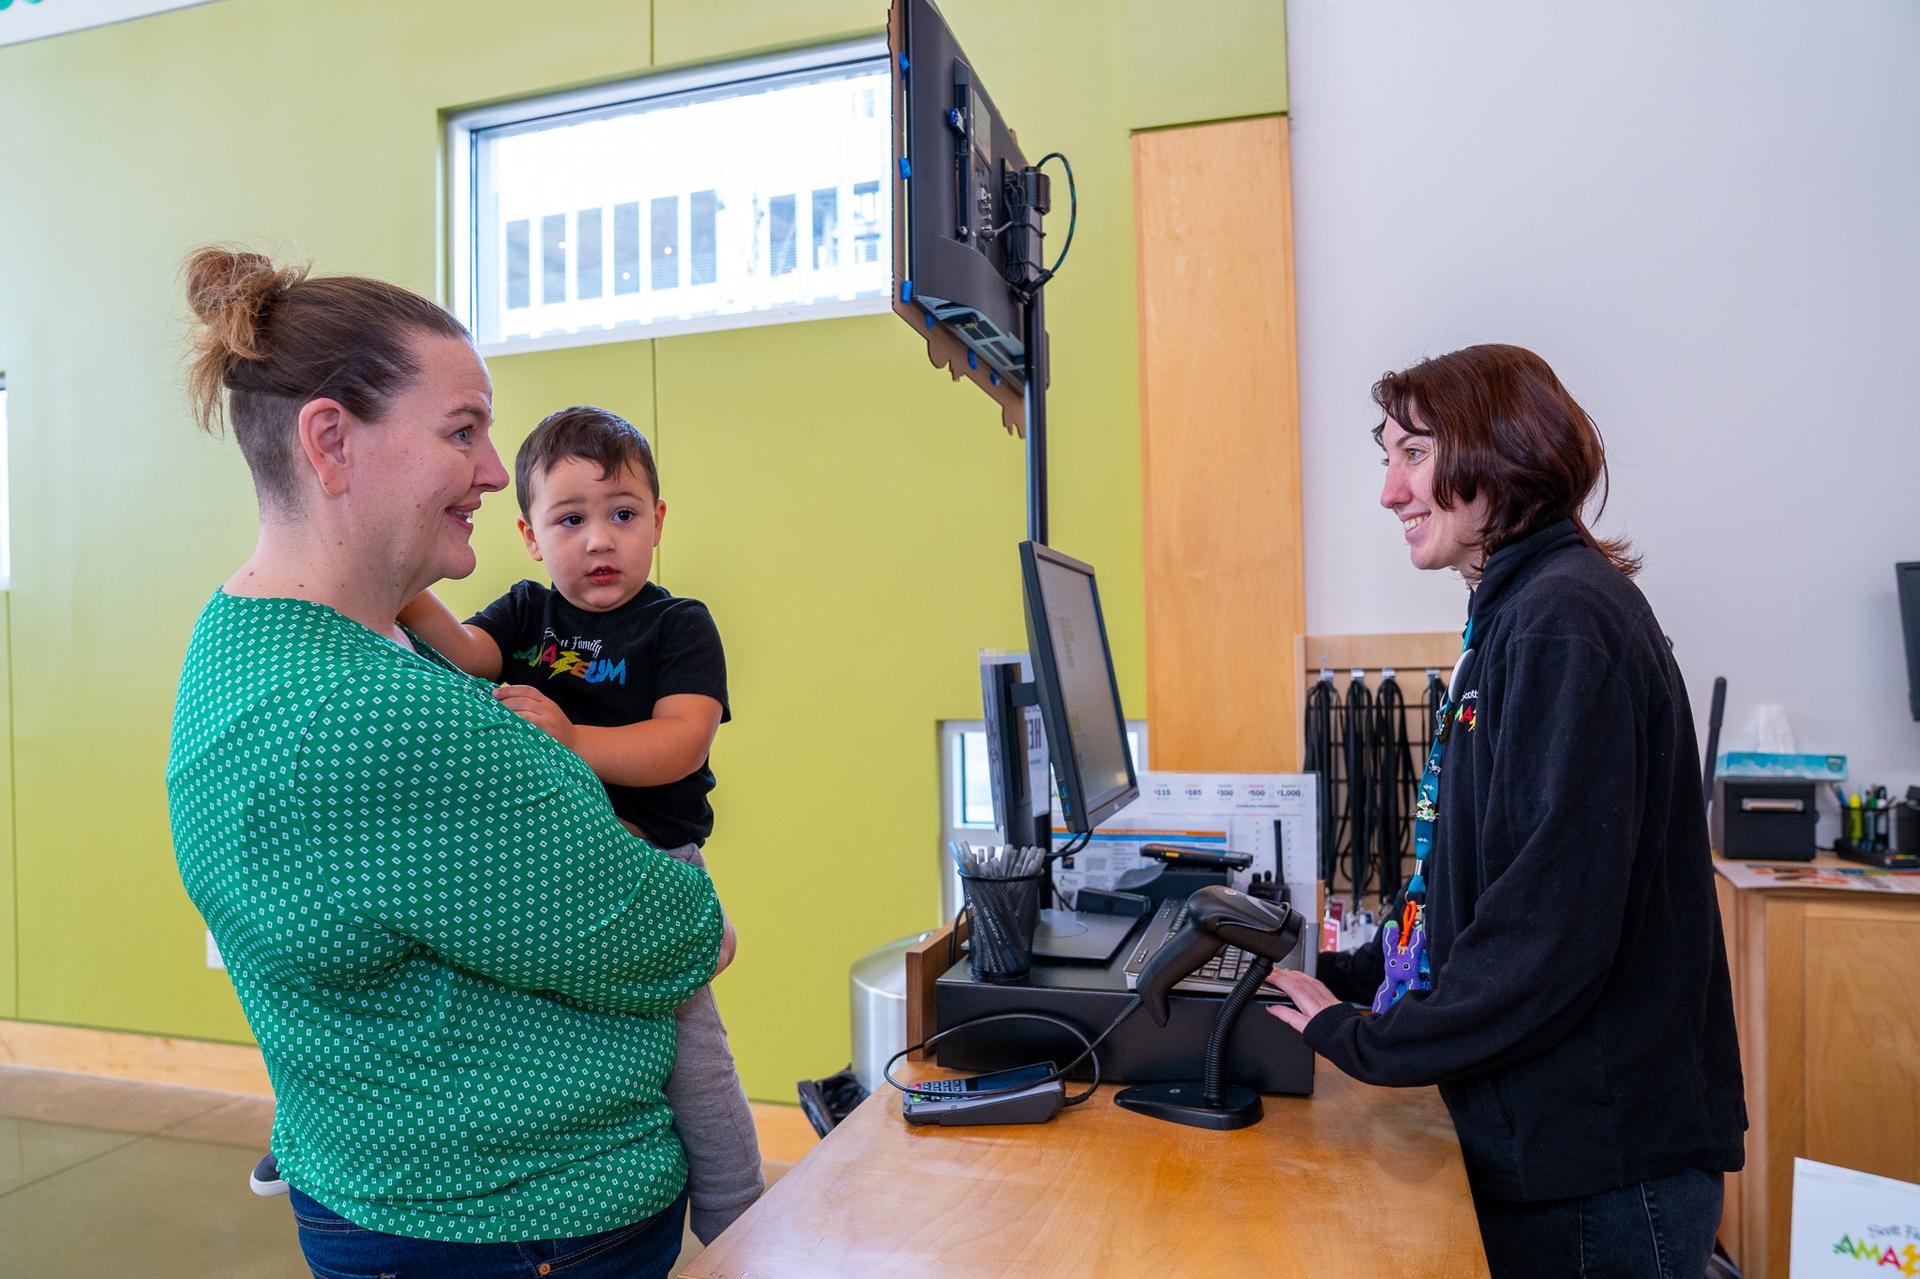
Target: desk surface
{"x": 1339, "y": 1183}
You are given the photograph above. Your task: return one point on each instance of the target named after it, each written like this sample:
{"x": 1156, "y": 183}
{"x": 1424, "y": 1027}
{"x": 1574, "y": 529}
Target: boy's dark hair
{"x": 582, "y": 431}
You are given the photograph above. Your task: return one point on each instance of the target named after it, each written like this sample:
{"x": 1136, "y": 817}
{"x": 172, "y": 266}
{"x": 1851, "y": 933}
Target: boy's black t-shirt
{"x": 607, "y": 670}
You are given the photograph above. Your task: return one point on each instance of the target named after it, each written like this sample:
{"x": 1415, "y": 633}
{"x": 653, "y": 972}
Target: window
{"x": 666, "y": 241}
{"x": 586, "y": 254}
{"x": 574, "y": 213}
{"x": 966, "y": 792}
{"x": 780, "y": 235}
{"x": 519, "y": 291}
{"x": 626, "y": 247}
{"x": 706, "y": 210}
{"x": 866, "y": 220}
{"x": 826, "y": 245}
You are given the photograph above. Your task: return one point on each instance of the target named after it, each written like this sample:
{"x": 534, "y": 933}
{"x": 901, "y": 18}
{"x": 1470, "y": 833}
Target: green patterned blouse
{"x": 461, "y": 969}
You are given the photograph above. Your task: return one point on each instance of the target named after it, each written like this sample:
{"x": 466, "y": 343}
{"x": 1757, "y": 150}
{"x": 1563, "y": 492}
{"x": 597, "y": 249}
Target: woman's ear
{"x": 323, "y": 427}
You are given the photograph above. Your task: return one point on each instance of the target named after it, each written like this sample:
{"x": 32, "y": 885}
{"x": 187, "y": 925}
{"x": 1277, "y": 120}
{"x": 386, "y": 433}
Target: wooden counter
{"x": 1354, "y": 1180}
{"x": 1824, "y": 990}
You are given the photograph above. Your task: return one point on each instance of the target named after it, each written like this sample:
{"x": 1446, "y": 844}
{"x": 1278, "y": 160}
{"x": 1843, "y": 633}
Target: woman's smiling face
{"x": 432, "y": 459}
{"x": 1436, "y": 536}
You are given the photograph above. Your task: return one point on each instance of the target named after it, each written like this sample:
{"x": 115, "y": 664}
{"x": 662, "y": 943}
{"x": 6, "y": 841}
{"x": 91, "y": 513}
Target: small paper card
{"x": 1848, "y": 1223}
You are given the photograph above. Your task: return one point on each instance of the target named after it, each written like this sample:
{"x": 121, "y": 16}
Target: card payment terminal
{"x": 1005, "y": 1099}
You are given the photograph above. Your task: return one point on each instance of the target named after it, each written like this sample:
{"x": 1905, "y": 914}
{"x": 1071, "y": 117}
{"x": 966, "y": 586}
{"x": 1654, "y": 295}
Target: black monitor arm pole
{"x": 1031, "y": 199}
{"x": 1028, "y": 200}
{"x": 1036, "y": 342}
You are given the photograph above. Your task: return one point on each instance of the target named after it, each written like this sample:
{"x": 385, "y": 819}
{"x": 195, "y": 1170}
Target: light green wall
{"x": 1217, "y": 60}
{"x": 9, "y": 968}
{"x": 849, "y": 513}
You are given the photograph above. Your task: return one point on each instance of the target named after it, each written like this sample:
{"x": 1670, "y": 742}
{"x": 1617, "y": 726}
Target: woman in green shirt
{"x": 460, "y": 967}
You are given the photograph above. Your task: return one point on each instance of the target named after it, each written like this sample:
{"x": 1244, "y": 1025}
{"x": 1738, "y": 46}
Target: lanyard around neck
{"x": 1426, "y": 810}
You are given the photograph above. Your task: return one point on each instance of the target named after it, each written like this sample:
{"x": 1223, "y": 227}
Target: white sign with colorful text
{"x": 1849, "y": 1223}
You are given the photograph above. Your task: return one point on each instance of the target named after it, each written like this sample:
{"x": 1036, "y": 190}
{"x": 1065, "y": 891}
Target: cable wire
{"x": 1073, "y": 218}
{"x": 886, "y": 1071}
{"x": 1357, "y": 723}
{"x": 1320, "y": 762}
{"x": 1395, "y": 783}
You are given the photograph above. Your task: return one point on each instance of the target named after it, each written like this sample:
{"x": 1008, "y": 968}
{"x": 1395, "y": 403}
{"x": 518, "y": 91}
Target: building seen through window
{"x": 743, "y": 195}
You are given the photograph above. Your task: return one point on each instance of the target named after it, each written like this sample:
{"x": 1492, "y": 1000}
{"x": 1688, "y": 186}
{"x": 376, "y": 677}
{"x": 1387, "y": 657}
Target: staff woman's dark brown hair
{"x": 1506, "y": 428}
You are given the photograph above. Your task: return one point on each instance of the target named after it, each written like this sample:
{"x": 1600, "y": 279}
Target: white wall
{"x": 1705, "y": 214}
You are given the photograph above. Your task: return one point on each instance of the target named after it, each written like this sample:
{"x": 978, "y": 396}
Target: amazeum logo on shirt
{"x": 578, "y": 657}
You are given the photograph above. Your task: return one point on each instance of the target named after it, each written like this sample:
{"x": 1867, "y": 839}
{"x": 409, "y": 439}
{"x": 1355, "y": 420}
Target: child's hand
{"x": 537, "y": 709}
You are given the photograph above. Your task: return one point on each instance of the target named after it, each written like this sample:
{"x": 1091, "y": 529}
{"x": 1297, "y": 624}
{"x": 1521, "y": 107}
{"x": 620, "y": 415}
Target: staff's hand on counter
{"x": 1309, "y": 996}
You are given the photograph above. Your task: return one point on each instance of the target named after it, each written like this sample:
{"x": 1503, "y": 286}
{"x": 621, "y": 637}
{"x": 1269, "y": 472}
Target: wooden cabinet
{"x": 1826, "y": 987}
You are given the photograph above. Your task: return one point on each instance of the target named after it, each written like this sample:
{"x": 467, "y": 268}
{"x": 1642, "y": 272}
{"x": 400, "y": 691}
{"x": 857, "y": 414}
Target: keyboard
{"x": 1215, "y": 977}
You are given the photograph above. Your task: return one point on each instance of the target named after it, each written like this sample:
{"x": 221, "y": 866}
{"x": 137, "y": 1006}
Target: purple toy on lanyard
{"x": 1403, "y": 965}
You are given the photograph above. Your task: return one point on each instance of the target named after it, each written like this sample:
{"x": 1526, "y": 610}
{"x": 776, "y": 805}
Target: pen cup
{"x": 1005, "y": 911}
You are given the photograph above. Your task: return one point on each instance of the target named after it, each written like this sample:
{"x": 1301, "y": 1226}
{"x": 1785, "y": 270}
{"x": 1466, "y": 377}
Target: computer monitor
{"x": 1908, "y": 576}
{"x": 1078, "y": 694}
{"x": 960, "y": 240}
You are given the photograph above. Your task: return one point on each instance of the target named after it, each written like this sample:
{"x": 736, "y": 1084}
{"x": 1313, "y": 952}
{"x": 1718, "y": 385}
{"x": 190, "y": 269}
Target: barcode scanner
{"x": 1216, "y": 918}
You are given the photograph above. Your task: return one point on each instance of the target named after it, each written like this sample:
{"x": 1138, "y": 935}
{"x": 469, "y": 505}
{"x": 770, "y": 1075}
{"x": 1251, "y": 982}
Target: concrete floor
{"x": 101, "y": 1177}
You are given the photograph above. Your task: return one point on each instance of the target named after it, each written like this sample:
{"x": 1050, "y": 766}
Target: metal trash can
{"x": 880, "y": 1009}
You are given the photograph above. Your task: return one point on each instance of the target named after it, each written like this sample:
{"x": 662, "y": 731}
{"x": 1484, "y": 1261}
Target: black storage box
{"x": 1763, "y": 818}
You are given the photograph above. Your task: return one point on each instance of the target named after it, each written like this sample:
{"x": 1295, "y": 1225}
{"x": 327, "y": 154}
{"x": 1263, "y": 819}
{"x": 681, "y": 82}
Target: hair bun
{"x": 230, "y": 292}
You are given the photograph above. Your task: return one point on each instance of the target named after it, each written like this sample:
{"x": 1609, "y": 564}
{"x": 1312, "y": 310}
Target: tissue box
{"x": 1812, "y": 768}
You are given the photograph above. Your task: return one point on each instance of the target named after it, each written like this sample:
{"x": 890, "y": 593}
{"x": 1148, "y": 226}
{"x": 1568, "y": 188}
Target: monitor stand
{"x": 1067, "y": 934}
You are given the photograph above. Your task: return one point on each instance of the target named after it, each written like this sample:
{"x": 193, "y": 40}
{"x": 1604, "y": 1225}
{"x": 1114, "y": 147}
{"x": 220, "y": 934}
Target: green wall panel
{"x": 1214, "y": 61}
{"x": 849, "y": 512}
{"x": 9, "y": 967}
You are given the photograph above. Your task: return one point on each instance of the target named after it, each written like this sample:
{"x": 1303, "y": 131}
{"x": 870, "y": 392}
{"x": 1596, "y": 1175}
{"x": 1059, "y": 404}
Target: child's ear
{"x": 659, "y": 519}
{"x": 526, "y": 535}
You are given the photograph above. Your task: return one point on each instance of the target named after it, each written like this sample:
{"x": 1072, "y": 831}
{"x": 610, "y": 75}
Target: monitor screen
{"x": 1908, "y": 576}
{"x": 1079, "y": 696}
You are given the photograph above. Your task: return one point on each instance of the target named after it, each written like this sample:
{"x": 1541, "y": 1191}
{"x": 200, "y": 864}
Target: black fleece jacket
{"x": 1581, "y": 1021}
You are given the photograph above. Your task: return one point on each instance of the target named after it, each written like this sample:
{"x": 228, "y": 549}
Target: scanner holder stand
{"x": 1210, "y": 1102}
{"x": 1216, "y": 917}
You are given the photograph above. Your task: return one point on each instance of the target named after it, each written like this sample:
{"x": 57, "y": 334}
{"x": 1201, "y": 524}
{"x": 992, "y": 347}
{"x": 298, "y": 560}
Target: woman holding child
{"x": 460, "y": 966}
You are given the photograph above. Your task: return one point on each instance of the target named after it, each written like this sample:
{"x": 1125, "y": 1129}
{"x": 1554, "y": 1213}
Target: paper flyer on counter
{"x": 1271, "y": 816}
{"x": 1855, "y": 879}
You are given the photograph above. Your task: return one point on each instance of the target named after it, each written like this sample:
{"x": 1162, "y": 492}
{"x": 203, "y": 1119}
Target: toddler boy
{"x": 634, "y": 680}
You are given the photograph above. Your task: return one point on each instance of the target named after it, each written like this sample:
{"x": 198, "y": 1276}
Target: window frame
{"x": 954, "y": 828}
{"x": 462, "y": 174}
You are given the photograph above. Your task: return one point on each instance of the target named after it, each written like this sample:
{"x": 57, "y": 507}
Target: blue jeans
{"x": 337, "y": 1249}
{"x": 1660, "y": 1229}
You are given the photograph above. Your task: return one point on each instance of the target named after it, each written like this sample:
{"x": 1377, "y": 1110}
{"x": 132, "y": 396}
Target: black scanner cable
{"x": 1320, "y": 762}
{"x": 1394, "y": 782}
{"x": 886, "y": 1071}
{"x": 1357, "y": 724}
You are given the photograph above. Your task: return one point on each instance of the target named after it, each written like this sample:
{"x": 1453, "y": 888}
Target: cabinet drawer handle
{"x": 1773, "y": 805}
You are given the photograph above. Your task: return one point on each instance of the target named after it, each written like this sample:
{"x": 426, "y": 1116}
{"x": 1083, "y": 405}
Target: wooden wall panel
{"x": 1220, "y": 438}
{"x": 1863, "y": 1039}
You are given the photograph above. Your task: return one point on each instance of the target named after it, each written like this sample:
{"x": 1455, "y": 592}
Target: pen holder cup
{"x": 1005, "y": 912}
{"x": 1863, "y": 830}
